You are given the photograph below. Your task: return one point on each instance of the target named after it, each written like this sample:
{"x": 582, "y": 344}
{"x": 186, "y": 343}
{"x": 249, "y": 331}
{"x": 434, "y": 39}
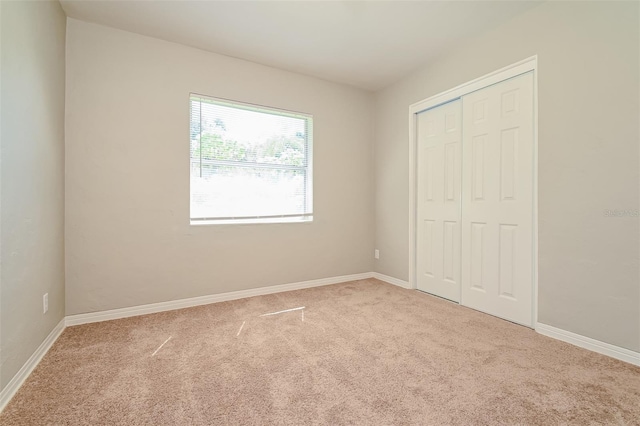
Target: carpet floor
{"x": 363, "y": 352}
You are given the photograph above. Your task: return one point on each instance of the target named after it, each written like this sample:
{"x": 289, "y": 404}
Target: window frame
{"x": 307, "y": 168}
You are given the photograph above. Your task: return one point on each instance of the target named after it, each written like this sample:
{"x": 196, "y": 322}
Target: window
{"x": 249, "y": 163}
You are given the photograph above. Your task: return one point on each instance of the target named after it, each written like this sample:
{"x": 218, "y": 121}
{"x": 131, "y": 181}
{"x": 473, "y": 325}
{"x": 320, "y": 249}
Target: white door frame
{"x": 521, "y": 67}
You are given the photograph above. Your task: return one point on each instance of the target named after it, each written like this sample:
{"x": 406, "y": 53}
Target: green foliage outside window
{"x": 285, "y": 150}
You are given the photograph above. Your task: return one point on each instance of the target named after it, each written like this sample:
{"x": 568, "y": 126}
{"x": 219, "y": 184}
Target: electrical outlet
{"x": 376, "y": 254}
{"x": 45, "y": 303}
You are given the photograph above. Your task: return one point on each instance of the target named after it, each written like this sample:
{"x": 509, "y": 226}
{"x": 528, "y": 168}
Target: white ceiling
{"x": 367, "y": 44}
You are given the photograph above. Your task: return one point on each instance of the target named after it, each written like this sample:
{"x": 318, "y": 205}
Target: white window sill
{"x": 252, "y": 221}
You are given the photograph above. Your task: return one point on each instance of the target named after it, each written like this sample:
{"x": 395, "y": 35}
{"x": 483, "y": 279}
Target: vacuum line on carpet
{"x": 282, "y": 312}
{"x": 153, "y": 354}
{"x": 240, "y": 328}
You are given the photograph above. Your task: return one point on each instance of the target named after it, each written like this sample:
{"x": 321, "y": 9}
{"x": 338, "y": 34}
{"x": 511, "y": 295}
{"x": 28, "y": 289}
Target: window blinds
{"x": 249, "y": 163}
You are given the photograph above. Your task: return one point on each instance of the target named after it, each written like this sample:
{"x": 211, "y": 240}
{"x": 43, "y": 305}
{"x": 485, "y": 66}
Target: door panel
{"x": 497, "y": 199}
{"x": 438, "y": 216}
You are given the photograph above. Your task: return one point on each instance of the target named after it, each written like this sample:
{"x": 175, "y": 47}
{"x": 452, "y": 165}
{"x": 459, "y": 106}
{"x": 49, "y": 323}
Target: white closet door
{"x": 497, "y": 214}
{"x": 439, "y": 184}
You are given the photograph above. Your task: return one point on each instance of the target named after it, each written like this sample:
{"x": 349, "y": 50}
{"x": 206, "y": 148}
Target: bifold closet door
{"x": 497, "y": 201}
{"x": 438, "y": 200}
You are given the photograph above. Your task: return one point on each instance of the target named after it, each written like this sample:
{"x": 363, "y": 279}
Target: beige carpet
{"x": 363, "y": 352}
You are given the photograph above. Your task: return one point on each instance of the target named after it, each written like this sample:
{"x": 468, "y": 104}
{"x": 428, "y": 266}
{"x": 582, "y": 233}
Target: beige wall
{"x": 588, "y": 158}
{"x": 32, "y": 177}
{"x": 128, "y": 238}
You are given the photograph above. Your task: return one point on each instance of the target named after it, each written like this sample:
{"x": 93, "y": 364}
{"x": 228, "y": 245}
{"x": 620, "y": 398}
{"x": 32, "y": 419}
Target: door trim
{"x": 510, "y": 71}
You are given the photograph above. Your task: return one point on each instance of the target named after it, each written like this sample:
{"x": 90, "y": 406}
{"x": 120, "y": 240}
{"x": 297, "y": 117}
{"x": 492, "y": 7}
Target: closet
{"x": 474, "y": 199}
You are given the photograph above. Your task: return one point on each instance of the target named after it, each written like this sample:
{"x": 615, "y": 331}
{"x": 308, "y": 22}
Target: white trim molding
{"x": 16, "y": 382}
{"x": 391, "y": 280}
{"x": 510, "y": 71}
{"x": 205, "y": 300}
{"x": 593, "y": 345}
{"x": 12, "y": 387}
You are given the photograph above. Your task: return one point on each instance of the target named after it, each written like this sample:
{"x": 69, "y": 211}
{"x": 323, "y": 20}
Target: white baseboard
{"x": 391, "y": 280}
{"x": 205, "y": 300}
{"x": 603, "y": 348}
{"x": 12, "y": 387}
